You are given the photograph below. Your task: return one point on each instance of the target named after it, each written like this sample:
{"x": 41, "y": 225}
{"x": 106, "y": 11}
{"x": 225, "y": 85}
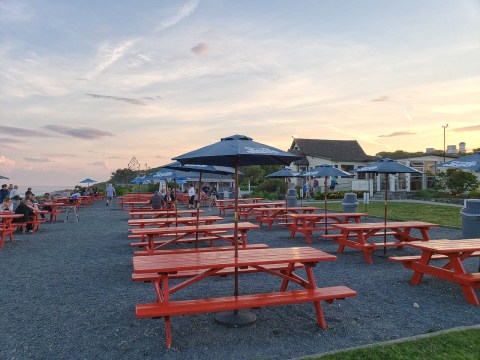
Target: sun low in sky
{"x": 87, "y": 85}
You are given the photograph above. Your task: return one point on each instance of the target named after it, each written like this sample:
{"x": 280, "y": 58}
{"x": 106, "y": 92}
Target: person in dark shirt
{"x": 3, "y": 192}
{"x": 28, "y": 193}
{"x": 27, "y": 213}
{"x": 156, "y": 201}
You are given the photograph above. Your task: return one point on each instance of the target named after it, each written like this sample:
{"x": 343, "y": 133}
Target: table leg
{"x": 418, "y": 275}
{"x": 318, "y": 307}
{"x": 468, "y": 291}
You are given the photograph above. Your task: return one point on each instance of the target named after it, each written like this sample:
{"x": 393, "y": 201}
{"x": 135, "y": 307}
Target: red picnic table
{"x": 356, "y": 235}
{"x": 136, "y": 204}
{"x": 225, "y": 204}
{"x": 308, "y": 223}
{"x": 55, "y": 206}
{"x": 166, "y": 222}
{"x": 7, "y": 228}
{"x": 455, "y": 251}
{"x": 161, "y": 213}
{"x": 270, "y": 214}
{"x": 201, "y": 232}
{"x": 212, "y": 262}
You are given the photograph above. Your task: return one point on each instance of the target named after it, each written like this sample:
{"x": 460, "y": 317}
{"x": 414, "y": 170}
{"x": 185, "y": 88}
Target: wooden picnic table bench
{"x": 7, "y": 227}
{"x": 210, "y": 263}
{"x": 162, "y": 213}
{"x": 196, "y": 231}
{"x": 202, "y": 249}
{"x": 166, "y": 222}
{"x": 455, "y": 251}
{"x": 270, "y": 214}
{"x": 308, "y": 223}
{"x": 227, "y": 204}
{"x": 356, "y": 235}
{"x": 160, "y": 244}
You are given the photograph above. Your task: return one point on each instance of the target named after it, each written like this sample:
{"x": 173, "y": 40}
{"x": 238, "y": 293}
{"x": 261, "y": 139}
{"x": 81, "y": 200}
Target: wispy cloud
{"x": 107, "y": 55}
{"x": 200, "y": 49}
{"x": 467, "y": 128}
{"x": 381, "y": 99}
{"x": 398, "y": 133}
{"x": 14, "y": 131}
{"x": 128, "y": 100}
{"x": 183, "y": 12}
{"x": 10, "y": 141}
{"x": 82, "y": 132}
{"x": 37, "y": 160}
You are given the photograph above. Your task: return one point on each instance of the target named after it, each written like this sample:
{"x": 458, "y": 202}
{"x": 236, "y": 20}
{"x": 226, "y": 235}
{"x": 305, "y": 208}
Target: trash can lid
{"x": 350, "y": 198}
{"x": 472, "y": 206}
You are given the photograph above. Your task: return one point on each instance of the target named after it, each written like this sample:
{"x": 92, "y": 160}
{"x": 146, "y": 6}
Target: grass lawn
{"x": 443, "y": 215}
{"x": 454, "y": 345}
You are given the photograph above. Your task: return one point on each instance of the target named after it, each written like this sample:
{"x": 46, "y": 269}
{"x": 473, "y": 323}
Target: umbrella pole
{"x": 175, "y": 198}
{"x": 385, "y": 215}
{"x": 236, "y": 318}
{"x": 286, "y": 202}
{"x": 325, "y": 191}
{"x": 198, "y": 208}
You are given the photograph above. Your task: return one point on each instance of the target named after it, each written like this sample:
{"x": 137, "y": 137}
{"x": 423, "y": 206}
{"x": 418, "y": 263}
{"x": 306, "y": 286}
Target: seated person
{"x": 6, "y": 205}
{"x": 66, "y": 194}
{"x": 27, "y": 213}
{"x": 156, "y": 201}
{"x": 46, "y": 199}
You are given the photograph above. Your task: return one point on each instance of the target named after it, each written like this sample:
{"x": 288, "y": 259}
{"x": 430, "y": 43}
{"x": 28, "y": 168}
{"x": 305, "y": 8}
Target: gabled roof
{"x": 333, "y": 150}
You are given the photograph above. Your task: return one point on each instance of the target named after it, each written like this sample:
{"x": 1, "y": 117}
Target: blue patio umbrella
{"x": 285, "y": 173}
{"x": 87, "y": 181}
{"x": 325, "y": 170}
{"x": 235, "y": 151}
{"x": 138, "y": 180}
{"x": 468, "y": 162}
{"x": 386, "y": 166}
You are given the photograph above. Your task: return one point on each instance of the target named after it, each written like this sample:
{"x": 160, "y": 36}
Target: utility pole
{"x": 444, "y": 149}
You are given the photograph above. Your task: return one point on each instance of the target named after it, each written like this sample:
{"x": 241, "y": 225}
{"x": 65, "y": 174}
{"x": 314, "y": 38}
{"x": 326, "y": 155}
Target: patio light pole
{"x": 444, "y": 149}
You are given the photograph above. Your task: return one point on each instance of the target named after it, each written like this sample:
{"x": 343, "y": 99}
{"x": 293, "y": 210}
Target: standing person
{"x": 315, "y": 184}
{"x": 15, "y": 197}
{"x": 191, "y": 194}
{"x": 306, "y": 190}
{"x": 110, "y": 194}
{"x": 3, "y": 192}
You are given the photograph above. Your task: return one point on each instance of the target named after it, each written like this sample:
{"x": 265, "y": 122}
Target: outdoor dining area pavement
{"x": 75, "y": 279}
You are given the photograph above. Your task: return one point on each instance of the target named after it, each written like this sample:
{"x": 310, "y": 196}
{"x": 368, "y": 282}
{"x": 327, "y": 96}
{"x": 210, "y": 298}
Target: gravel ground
{"x": 66, "y": 294}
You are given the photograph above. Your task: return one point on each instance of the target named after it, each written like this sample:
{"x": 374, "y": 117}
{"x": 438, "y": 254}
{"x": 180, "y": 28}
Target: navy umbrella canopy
{"x": 284, "y": 173}
{"x": 235, "y": 151}
{"x": 325, "y": 170}
{"x": 386, "y": 166}
{"x": 469, "y": 162}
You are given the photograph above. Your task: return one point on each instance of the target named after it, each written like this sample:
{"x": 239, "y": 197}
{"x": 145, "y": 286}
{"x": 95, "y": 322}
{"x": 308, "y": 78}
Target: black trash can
{"x": 292, "y": 198}
{"x": 471, "y": 219}
{"x": 350, "y": 203}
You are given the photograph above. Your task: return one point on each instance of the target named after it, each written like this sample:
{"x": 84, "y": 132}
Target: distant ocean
{"x": 40, "y": 190}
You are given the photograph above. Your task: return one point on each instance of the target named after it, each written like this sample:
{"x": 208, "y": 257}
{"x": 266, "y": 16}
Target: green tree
{"x": 255, "y": 174}
{"x": 457, "y": 181}
{"x": 123, "y": 176}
